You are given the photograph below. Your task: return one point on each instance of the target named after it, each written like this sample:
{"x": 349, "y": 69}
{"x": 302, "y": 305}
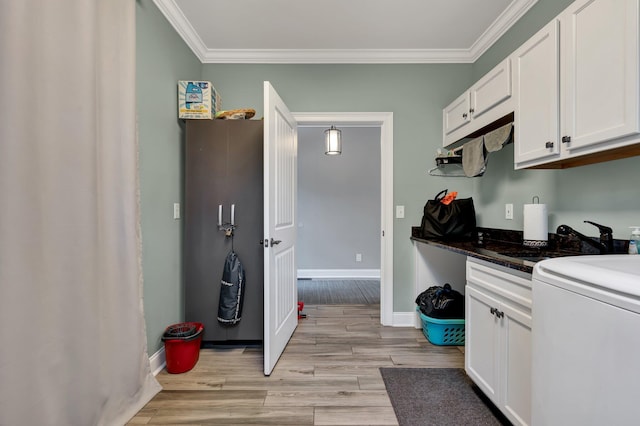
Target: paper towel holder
{"x": 540, "y": 239}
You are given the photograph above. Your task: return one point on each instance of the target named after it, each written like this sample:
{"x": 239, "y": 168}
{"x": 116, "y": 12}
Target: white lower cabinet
{"x": 498, "y": 336}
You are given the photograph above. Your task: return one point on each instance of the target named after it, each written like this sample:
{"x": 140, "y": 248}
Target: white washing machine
{"x": 586, "y": 341}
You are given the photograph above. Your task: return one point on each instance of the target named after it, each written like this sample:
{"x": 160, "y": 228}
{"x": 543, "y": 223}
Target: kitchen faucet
{"x": 605, "y": 245}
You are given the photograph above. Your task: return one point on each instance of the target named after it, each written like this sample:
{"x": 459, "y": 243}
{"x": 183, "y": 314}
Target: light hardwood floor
{"x": 328, "y": 375}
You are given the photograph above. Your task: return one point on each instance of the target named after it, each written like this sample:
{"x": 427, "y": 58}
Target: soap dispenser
{"x": 634, "y": 240}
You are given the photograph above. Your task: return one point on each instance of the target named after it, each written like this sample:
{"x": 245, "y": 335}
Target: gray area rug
{"x": 438, "y": 397}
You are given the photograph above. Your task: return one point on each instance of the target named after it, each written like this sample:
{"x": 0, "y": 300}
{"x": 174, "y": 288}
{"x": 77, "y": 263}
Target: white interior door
{"x": 280, "y": 276}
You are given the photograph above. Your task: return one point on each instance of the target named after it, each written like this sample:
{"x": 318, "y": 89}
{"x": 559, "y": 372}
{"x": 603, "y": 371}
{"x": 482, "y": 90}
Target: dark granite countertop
{"x": 504, "y": 247}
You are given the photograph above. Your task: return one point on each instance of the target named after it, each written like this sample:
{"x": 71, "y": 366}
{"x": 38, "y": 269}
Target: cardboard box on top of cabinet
{"x": 198, "y": 100}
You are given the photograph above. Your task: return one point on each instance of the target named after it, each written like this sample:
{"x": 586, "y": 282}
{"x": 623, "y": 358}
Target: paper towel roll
{"x": 536, "y": 229}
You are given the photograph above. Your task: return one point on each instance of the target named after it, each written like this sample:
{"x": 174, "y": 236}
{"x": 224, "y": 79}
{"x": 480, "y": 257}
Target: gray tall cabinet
{"x": 223, "y": 166}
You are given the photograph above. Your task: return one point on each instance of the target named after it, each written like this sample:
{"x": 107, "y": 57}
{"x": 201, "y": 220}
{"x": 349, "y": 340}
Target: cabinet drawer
{"x": 511, "y": 284}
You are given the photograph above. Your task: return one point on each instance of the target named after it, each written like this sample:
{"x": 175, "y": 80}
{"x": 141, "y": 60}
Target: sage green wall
{"x": 162, "y": 59}
{"x": 414, "y": 93}
{"x": 604, "y": 193}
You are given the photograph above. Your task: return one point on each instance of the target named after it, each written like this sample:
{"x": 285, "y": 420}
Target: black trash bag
{"x": 441, "y": 302}
{"x": 231, "y": 290}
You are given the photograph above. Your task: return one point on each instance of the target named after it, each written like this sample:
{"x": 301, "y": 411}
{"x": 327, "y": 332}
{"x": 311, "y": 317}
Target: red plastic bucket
{"x": 182, "y": 346}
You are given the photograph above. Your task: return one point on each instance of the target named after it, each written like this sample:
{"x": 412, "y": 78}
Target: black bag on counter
{"x": 441, "y": 302}
{"x": 454, "y": 221}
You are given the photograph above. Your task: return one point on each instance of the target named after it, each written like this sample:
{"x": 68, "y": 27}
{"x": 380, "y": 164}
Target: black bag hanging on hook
{"x": 231, "y": 290}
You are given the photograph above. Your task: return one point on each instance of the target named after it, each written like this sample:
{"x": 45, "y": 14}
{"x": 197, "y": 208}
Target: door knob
{"x": 274, "y": 242}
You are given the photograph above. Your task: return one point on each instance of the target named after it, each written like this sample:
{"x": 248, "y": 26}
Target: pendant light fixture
{"x": 333, "y": 141}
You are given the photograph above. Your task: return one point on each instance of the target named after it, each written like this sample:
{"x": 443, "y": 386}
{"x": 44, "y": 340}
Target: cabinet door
{"x": 223, "y": 166}
{"x": 536, "y": 93}
{"x": 600, "y": 71}
{"x": 482, "y": 342}
{"x": 492, "y": 89}
{"x": 456, "y": 114}
{"x": 516, "y": 364}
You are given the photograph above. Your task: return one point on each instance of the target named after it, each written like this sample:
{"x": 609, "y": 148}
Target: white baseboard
{"x": 325, "y": 274}
{"x": 404, "y": 319}
{"x": 158, "y": 361}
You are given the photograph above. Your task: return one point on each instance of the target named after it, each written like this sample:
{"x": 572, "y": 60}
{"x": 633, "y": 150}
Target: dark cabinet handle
{"x": 472, "y": 110}
{"x": 548, "y": 145}
{"x": 496, "y": 312}
{"x": 566, "y": 139}
{"x": 464, "y": 115}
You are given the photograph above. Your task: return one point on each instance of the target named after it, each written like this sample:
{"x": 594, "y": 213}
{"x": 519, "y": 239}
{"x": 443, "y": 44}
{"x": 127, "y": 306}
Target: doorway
{"x": 384, "y": 122}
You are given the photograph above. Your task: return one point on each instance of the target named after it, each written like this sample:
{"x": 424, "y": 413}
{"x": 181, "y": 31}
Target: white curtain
{"x": 72, "y": 334}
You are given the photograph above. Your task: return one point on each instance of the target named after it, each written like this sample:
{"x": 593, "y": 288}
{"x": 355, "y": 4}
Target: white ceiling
{"x": 341, "y": 31}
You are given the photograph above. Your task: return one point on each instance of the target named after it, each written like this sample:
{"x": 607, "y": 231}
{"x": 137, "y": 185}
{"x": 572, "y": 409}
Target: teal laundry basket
{"x": 443, "y": 332}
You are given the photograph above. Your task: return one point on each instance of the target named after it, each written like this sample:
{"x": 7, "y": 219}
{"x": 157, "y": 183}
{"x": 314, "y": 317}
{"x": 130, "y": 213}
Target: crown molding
{"x": 183, "y": 27}
{"x": 499, "y": 27}
{"x": 342, "y": 56}
{"x": 335, "y": 56}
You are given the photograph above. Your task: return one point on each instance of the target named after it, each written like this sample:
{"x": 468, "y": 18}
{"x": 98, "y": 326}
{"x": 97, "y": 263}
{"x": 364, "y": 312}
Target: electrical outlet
{"x": 358, "y": 257}
{"x": 508, "y": 211}
{"x": 176, "y": 210}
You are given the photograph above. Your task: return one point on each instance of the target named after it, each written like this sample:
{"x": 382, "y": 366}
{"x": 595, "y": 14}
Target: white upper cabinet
{"x": 480, "y": 105}
{"x": 596, "y": 83}
{"x": 599, "y": 71}
{"x": 491, "y": 90}
{"x": 536, "y": 82}
{"x": 457, "y": 114}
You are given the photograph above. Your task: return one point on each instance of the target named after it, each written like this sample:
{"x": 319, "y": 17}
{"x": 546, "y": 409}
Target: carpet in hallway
{"x": 339, "y": 292}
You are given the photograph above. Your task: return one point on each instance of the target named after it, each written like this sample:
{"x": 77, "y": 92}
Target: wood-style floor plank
{"x": 328, "y": 375}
